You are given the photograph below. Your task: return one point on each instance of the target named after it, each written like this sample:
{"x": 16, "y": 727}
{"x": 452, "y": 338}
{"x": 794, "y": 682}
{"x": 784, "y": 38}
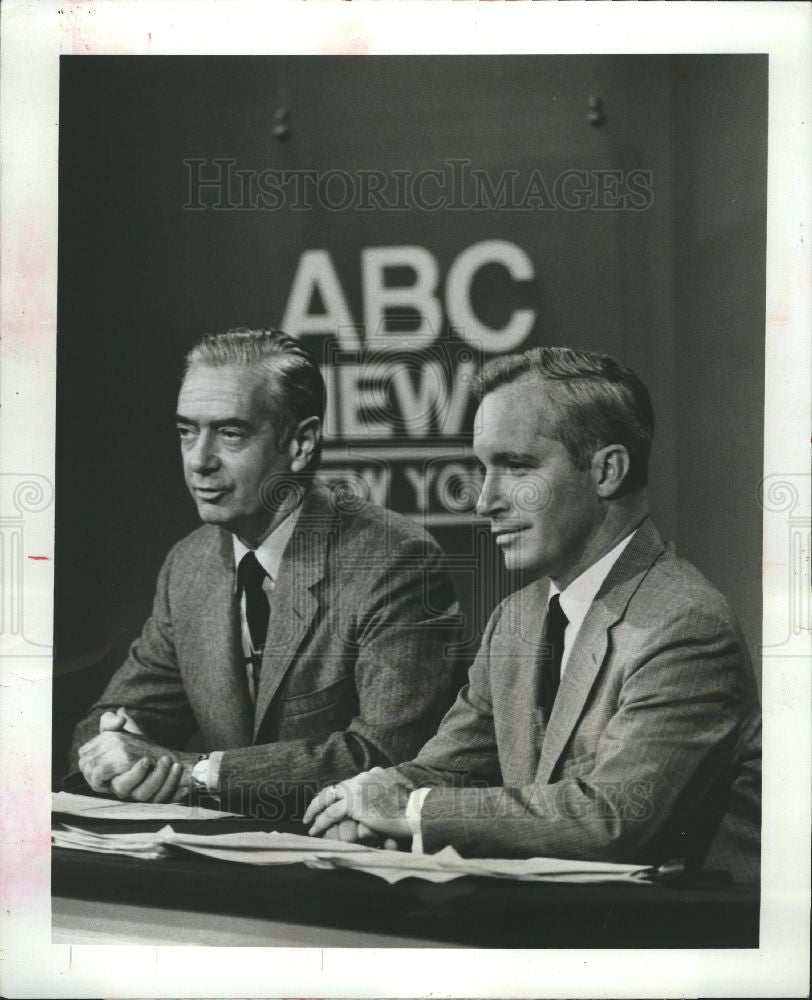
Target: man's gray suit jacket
{"x": 652, "y": 750}
{"x": 357, "y": 667}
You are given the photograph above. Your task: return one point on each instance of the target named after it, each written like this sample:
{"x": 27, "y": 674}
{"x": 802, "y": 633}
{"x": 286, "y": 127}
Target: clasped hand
{"x": 122, "y": 760}
{"x": 369, "y": 808}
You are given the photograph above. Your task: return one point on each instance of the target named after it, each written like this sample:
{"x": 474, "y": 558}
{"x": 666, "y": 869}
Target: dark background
{"x": 677, "y": 290}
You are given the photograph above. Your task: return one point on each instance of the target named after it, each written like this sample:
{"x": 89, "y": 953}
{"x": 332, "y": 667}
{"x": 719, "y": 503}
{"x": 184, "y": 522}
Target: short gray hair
{"x": 293, "y": 384}
{"x": 601, "y": 401}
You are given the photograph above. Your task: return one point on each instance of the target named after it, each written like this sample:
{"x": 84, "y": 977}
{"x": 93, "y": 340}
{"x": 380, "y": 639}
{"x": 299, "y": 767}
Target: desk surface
{"x": 195, "y": 900}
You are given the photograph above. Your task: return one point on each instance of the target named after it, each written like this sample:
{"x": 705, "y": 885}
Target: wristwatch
{"x": 200, "y": 773}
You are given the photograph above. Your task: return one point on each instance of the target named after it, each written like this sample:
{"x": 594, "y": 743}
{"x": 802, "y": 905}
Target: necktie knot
{"x": 557, "y": 621}
{"x": 250, "y": 571}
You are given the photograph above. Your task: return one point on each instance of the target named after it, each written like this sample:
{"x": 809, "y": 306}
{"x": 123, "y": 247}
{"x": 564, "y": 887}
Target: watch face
{"x": 200, "y": 770}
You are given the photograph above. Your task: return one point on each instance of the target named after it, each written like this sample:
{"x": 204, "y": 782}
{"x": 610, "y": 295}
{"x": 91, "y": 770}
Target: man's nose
{"x": 490, "y": 500}
{"x": 202, "y": 456}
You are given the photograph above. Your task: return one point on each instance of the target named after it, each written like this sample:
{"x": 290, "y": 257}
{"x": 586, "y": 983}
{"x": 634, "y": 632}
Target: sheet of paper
{"x": 259, "y": 848}
{"x": 258, "y": 841}
{"x": 390, "y": 874}
{"x": 536, "y": 867}
{"x": 93, "y": 808}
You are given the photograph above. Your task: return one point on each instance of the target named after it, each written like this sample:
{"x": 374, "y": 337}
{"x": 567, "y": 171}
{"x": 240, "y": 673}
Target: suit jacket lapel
{"x": 294, "y": 605}
{"x": 211, "y": 646}
{"x": 589, "y": 651}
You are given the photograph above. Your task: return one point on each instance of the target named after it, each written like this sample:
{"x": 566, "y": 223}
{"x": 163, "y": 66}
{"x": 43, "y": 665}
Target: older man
{"x": 611, "y": 712}
{"x": 301, "y": 639}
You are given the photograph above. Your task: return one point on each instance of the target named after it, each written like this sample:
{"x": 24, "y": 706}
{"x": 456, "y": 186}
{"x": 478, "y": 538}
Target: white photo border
{"x": 34, "y": 36}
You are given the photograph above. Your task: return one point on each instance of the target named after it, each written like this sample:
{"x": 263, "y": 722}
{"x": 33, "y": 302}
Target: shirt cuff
{"x": 414, "y": 807}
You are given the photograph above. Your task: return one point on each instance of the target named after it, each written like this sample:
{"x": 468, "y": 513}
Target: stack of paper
{"x": 284, "y": 849}
{"x": 447, "y": 864}
{"x": 134, "y": 845}
{"x": 258, "y": 848}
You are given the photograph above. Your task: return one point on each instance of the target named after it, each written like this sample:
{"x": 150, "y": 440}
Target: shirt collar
{"x": 576, "y": 599}
{"x": 269, "y": 553}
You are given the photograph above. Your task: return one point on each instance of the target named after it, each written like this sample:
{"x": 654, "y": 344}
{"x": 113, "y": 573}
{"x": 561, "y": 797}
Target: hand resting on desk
{"x": 123, "y": 761}
{"x": 374, "y": 800}
{"x": 352, "y": 832}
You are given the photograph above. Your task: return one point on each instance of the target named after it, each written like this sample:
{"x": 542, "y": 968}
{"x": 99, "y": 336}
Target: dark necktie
{"x": 257, "y": 611}
{"x": 552, "y": 652}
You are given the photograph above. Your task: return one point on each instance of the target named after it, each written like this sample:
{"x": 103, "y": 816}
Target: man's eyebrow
{"x": 227, "y": 422}
{"x": 502, "y": 457}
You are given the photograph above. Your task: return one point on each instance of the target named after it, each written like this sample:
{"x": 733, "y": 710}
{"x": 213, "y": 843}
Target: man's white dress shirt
{"x": 269, "y": 555}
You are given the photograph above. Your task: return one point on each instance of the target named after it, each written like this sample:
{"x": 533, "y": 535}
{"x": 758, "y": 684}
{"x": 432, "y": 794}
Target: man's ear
{"x": 303, "y": 443}
{"x": 610, "y": 469}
